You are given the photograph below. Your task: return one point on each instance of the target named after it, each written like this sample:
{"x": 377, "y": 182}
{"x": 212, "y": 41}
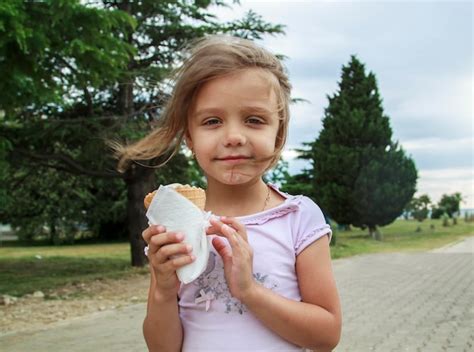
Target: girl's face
{"x": 233, "y": 125}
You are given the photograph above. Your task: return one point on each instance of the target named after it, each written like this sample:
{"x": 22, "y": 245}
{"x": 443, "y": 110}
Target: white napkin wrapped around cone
{"x": 178, "y": 214}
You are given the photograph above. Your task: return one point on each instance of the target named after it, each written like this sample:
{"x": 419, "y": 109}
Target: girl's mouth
{"x": 233, "y": 159}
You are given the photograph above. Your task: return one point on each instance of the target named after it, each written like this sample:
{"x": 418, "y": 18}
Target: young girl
{"x": 268, "y": 285}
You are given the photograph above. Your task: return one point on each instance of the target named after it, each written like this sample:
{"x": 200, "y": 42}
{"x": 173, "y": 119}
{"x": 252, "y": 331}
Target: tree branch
{"x": 68, "y": 164}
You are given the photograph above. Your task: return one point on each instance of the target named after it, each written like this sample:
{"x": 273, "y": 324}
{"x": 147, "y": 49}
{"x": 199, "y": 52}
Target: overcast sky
{"x": 421, "y": 54}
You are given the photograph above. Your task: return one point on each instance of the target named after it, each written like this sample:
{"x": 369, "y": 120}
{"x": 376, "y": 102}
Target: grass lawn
{"x": 28, "y": 269}
{"x": 25, "y": 269}
{"x": 402, "y": 235}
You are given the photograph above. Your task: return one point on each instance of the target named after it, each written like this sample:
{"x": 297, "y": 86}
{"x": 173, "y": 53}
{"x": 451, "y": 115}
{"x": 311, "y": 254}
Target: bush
{"x": 437, "y": 213}
{"x": 445, "y": 219}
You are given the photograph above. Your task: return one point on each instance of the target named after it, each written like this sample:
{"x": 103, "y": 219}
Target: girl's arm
{"x": 315, "y": 322}
{"x": 162, "y": 326}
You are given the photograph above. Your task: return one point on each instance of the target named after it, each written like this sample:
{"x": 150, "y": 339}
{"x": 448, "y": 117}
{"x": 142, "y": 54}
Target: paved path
{"x": 391, "y": 302}
{"x": 408, "y": 302}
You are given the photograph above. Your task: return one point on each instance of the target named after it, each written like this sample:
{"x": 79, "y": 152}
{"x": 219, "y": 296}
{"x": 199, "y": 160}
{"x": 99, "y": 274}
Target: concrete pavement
{"x": 407, "y": 302}
{"x": 391, "y": 302}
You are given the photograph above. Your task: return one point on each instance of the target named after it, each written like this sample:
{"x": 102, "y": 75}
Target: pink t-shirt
{"x": 215, "y": 321}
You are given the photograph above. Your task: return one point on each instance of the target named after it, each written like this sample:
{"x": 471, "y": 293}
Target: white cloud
{"x": 438, "y": 106}
{"x": 437, "y": 144}
{"x": 435, "y": 183}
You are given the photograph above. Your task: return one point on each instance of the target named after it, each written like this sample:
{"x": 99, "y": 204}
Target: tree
{"x": 418, "y": 207}
{"x": 300, "y": 183}
{"x": 448, "y": 204}
{"x": 52, "y": 56}
{"x": 278, "y": 174}
{"x": 360, "y": 176}
{"x": 76, "y": 74}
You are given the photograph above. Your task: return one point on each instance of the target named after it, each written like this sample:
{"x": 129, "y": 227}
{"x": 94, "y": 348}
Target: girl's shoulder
{"x": 300, "y": 205}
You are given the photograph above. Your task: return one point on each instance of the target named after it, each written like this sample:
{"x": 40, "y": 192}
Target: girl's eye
{"x": 211, "y": 121}
{"x": 255, "y": 120}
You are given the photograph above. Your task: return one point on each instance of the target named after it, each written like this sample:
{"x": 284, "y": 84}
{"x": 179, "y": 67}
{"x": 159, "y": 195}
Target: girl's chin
{"x": 233, "y": 178}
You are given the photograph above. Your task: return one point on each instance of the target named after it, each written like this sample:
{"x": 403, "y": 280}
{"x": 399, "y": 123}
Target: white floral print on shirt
{"x": 211, "y": 285}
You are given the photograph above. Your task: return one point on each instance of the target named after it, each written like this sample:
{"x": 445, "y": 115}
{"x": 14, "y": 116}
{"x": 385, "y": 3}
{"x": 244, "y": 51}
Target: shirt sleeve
{"x": 310, "y": 225}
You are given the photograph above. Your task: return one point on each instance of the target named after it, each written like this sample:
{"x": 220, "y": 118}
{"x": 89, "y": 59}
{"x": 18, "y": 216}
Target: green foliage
{"x": 445, "y": 219}
{"x": 448, "y": 204}
{"x": 51, "y": 50}
{"x": 279, "y": 174}
{"x": 437, "y": 213}
{"x": 360, "y": 176}
{"x": 60, "y": 207}
{"x": 299, "y": 184}
{"x": 382, "y": 188}
{"x": 418, "y": 207}
{"x": 77, "y": 74}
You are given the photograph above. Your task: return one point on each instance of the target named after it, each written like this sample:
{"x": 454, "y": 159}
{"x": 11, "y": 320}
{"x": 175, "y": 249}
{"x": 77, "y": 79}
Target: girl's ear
{"x": 188, "y": 141}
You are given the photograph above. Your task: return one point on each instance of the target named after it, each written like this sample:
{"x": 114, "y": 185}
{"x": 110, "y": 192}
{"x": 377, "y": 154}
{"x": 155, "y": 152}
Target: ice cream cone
{"x": 195, "y": 194}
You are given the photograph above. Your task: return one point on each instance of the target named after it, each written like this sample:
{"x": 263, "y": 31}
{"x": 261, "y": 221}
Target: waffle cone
{"x": 195, "y": 194}
{"x": 148, "y": 199}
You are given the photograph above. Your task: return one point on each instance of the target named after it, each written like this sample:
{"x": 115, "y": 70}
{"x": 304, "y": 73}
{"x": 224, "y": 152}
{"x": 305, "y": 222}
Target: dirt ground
{"x": 72, "y": 301}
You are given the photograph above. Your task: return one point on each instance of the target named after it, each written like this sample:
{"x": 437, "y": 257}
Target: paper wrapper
{"x": 178, "y": 214}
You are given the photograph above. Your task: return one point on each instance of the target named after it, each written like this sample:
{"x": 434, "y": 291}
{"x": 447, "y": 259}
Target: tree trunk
{"x": 54, "y": 235}
{"x": 140, "y": 181}
{"x": 125, "y": 99}
{"x": 375, "y": 233}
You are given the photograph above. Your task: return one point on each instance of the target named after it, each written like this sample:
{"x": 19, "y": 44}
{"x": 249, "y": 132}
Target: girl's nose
{"x": 234, "y": 137}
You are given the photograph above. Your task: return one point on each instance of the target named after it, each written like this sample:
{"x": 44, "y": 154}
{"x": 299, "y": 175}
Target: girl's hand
{"x": 238, "y": 258}
{"x": 166, "y": 253}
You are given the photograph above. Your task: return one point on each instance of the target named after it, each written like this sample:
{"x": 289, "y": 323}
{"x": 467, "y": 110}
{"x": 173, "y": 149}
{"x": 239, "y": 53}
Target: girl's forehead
{"x": 251, "y": 85}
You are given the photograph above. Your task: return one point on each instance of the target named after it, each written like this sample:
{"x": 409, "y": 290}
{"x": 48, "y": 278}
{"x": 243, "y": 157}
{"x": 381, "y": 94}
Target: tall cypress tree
{"x": 361, "y": 177}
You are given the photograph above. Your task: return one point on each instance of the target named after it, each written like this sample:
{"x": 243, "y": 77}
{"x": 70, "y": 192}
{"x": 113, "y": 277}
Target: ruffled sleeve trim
{"x": 290, "y": 204}
{"x": 311, "y": 237}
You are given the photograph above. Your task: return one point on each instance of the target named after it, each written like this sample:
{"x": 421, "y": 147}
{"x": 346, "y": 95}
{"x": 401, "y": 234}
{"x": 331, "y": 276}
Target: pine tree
{"x": 361, "y": 177}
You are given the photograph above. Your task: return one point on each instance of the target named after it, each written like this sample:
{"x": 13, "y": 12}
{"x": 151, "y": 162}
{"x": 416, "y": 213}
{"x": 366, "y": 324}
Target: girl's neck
{"x": 237, "y": 200}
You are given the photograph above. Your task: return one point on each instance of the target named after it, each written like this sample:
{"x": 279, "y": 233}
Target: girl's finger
{"x": 212, "y": 230}
{"x": 216, "y": 223}
{"x": 227, "y": 232}
{"x": 166, "y": 238}
{"x": 150, "y": 231}
{"x": 234, "y": 223}
{"x": 176, "y": 263}
{"x": 162, "y": 239}
{"x": 165, "y": 252}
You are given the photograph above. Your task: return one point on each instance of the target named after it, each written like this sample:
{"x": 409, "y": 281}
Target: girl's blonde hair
{"x": 208, "y": 58}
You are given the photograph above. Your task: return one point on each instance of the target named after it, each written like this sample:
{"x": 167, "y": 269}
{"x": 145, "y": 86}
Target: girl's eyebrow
{"x": 208, "y": 111}
{"x": 257, "y": 109}
{"x": 244, "y": 108}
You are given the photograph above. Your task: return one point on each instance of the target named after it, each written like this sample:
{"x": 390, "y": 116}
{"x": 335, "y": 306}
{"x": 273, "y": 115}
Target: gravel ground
{"x": 72, "y": 301}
